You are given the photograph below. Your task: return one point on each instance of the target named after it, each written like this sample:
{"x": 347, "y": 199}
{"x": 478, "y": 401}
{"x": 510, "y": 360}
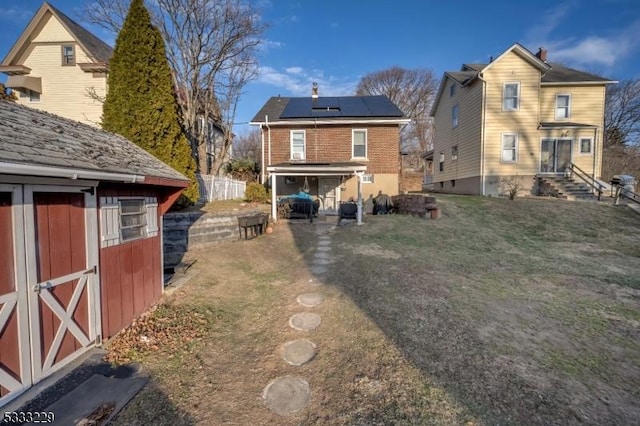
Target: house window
{"x": 367, "y": 178}
{"x": 563, "y": 106}
{"x": 454, "y": 152}
{"x": 30, "y": 95}
{"x": 511, "y": 97}
{"x": 359, "y": 138}
{"x": 132, "y": 219}
{"x": 452, "y": 89}
{"x": 297, "y": 145}
{"x": 509, "y": 147}
{"x": 454, "y": 116}
{"x": 585, "y": 145}
{"x": 441, "y": 163}
{"x": 68, "y": 55}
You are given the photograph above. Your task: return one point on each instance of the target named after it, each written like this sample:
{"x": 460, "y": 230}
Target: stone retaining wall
{"x": 186, "y": 230}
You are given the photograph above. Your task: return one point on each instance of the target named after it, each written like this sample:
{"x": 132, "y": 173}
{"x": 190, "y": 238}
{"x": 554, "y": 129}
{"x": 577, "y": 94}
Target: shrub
{"x": 256, "y": 193}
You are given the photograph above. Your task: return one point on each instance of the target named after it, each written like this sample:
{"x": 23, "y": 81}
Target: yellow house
{"x": 517, "y": 119}
{"x": 58, "y": 66}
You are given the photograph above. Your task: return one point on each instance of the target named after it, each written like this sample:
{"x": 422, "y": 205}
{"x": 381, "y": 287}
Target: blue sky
{"x": 336, "y": 42}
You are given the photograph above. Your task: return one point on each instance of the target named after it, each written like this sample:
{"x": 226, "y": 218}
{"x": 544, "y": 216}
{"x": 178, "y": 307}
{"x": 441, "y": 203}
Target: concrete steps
{"x": 565, "y": 188}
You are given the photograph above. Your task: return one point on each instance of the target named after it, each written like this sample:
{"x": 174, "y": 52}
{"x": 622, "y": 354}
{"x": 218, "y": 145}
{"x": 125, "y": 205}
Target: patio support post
{"x": 359, "y": 176}
{"x": 274, "y": 205}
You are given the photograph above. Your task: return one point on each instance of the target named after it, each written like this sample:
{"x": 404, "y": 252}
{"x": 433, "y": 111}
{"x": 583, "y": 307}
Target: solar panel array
{"x": 343, "y": 106}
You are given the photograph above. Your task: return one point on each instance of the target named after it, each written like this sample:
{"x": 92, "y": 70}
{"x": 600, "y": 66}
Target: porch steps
{"x": 566, "y": 188}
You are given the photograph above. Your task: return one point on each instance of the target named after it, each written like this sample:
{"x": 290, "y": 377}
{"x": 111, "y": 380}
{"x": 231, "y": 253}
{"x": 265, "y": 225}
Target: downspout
{"x": 482, "y": 135}
{"x": 266, "y": 123}
{"x": 262, "y": 155}
{"x": 595, "y": 152}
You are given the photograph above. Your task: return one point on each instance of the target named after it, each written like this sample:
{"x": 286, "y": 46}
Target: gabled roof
{"x": 343, "y": 108}
{"x": 42, "y": 142}
{"x": 561, "y": 74}
{"x": 97, "y": 49}
{"x": 551, "y": 73}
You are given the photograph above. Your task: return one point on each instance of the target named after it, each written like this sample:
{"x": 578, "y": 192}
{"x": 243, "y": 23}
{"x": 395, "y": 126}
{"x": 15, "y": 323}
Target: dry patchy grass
{"x": 500, "y": 312}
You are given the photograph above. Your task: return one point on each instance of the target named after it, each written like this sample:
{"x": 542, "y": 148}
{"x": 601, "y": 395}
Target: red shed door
{"x": 15, "y": 364}
{"x": 62, "y": 275}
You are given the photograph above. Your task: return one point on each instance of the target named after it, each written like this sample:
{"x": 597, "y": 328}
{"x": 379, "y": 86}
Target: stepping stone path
{"x": 288, "y": 394}
{"x": 299, "y": 352}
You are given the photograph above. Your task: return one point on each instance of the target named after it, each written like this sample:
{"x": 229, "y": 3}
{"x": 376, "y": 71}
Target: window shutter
{"x": 109, "y": 222}
{"x": 152, "y": 216}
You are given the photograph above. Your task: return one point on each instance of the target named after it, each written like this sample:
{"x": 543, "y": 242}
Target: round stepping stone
{"x": 323, "y": 261}
{"x": 305, "y": 321}
{"x": 322, "y": 255}
{"x": 324, "y": 242}
{"x": 324, "y": 248}
{"x": 286, "y": 395}
{"x": 299, "y": 352}
{"x": 310, "y": 299}
{"x": 318, "y": 270}
{"x": 324, "y": 237}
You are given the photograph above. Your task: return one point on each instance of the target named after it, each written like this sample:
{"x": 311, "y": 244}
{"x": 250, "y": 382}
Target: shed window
{"x": 132, "y": 219}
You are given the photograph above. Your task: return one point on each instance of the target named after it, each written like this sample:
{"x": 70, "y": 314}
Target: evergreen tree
{"x": 141, "y": 101}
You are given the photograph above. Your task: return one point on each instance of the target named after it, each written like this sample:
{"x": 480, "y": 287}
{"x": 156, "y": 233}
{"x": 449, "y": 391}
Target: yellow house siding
{"x": 64, "y": 88}
{"x": 586, "y": 104}
{"x": 52, "y": 30}
{"x": 466, "y": 135}
{"x": 512, "y": 68}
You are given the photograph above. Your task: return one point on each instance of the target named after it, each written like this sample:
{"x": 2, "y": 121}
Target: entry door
{"x": 555, "y": 155}
{"x": 328, "y": 191}
{"x": 15, "y": 360}
{"x": 62, "y": 282}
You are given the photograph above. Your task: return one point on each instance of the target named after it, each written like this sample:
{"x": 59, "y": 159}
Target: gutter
{"x": 335, "y": 122}
{"x": 73, "y": 174}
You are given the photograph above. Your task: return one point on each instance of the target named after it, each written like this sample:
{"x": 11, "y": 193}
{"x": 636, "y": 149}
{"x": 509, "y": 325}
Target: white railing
{"x": 220, "y": 188}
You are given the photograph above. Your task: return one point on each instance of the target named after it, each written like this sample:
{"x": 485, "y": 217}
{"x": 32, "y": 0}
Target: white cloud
{"x": 296, "y": 81}
{"x": 266, "y": 45}
{"x": 16, "y": 13}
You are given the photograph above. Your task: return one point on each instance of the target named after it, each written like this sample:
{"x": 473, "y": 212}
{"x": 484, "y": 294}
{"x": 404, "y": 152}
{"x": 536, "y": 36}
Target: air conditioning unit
{"x": 298, "y": 156}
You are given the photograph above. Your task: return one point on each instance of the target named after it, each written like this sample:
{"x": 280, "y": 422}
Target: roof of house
{"x": 31, "y": 137}
{"x": 552, "y": 73}
{"x": 334, "y": 108}
{"x": 94, "y": 47}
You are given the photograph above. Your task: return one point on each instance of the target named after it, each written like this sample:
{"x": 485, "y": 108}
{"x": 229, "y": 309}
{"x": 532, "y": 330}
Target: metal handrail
{"x": 586, "y": 178}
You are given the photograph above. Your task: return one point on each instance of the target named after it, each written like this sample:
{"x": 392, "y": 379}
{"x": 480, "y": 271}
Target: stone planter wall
{"x": 183, "y": 231}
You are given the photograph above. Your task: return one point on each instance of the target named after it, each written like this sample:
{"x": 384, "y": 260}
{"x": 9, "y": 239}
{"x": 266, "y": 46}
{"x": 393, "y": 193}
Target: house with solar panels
{"x": 332, "y": 148}
{"x": 518, "y": 117}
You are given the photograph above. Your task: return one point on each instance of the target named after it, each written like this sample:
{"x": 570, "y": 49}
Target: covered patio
{"x": 326, "y": 181}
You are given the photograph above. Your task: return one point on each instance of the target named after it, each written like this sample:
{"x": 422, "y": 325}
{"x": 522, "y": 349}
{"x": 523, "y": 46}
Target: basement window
{"x": 132, "y": 219}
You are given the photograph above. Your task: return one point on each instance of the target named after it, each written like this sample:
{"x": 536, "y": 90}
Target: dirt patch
{"x": 493, "y": 314}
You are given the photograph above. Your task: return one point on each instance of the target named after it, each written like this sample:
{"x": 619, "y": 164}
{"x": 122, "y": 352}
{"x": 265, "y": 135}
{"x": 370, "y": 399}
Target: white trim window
{"x": 31, "y": 95}
{"x": 509, "y": 147}
{"x": 563, "y": 106}
{"x": 298, "y": 145}
{"x": 455, "y": 114}
{"x": 359, "y": 143}
{"x": 454, "y": 153}
{"x": 132, "y": 219}
{"x": 586, "y": 146}
{"x": 68, "y": 55}
{"x": 511, "y": 96}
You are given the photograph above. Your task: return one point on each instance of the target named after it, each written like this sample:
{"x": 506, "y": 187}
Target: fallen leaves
{"x": 170, "y": 328}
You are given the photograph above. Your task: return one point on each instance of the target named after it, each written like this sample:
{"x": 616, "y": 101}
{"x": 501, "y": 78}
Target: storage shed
{"x": 80, "y": 239}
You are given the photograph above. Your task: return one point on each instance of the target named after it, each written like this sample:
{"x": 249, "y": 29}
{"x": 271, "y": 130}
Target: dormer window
{"x": 68, "y": 55}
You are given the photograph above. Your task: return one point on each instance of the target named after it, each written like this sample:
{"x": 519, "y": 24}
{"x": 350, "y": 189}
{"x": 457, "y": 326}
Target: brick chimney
{"x": 314, "y": 91}
{"x": 542, "y": 54}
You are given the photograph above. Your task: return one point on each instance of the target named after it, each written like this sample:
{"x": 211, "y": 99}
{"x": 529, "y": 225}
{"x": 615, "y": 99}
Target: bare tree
{"x": 413, "y": 91}
{"x": 211, "y": 46}
{"x": 248, "y": 146}
{"x": 622, "y": 114}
